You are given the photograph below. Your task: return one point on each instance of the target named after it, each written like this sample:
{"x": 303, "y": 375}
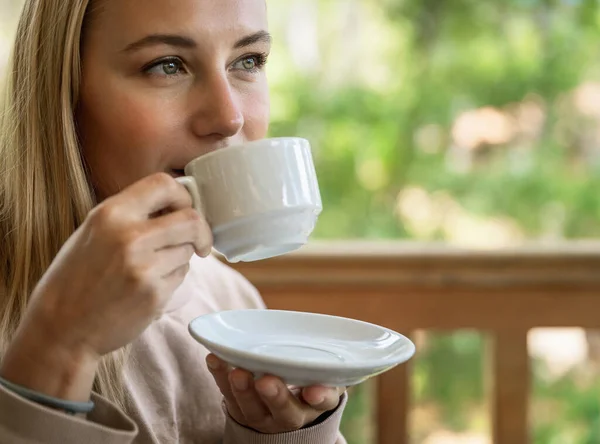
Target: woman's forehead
{"x": 131, "y": 19}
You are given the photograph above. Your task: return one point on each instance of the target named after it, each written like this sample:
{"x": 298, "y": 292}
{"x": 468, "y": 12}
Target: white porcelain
{"x": 261, "y": 199}
{"x": 302, "y": 348}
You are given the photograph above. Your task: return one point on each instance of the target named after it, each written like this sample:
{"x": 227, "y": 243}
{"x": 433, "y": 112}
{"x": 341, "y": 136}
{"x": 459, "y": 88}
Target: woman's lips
{"x": 177, "y": 173}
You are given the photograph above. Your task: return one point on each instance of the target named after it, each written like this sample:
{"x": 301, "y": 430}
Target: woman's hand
{"x": 268, "y": 405}
{"x": 111, "y": 279}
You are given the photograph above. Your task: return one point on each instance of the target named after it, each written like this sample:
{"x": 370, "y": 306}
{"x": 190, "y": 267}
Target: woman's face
{"x": 166, "y": 81}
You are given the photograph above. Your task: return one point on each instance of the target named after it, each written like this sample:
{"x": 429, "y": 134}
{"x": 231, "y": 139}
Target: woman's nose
{"x": 218, "y": 112}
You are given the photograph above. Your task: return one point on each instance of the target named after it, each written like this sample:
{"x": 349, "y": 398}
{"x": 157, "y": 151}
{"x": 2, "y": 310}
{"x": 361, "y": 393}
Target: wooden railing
{"x": 407, "y": 287}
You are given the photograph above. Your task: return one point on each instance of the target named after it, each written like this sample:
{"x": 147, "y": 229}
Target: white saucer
{"x": 302, "y": 348}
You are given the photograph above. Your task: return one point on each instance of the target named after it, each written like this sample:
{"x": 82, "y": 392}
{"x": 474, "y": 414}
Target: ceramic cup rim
{"x": 268, "y": 142}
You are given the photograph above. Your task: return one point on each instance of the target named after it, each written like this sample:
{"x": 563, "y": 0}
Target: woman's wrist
{"x": 37, "y": 363}
{"x": 71, "y": 407}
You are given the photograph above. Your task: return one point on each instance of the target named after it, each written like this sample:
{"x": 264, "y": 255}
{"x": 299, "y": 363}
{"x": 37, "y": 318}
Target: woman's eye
{"x": 166, "y": 68}
{"x": 251, "y": 63}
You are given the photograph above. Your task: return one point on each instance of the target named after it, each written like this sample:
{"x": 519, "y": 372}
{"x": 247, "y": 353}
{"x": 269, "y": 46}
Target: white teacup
{"x": 261, "y": 199}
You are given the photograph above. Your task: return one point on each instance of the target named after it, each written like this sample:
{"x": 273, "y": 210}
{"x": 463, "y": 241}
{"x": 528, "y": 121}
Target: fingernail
{"x": 319, "y": 400}
{"x": 269, "y": 390}
{"x": 213, "y": 363}
{"x": 206, "y": 252}
{"x": 240, "y": 383}
{"x": 314, "y": 400}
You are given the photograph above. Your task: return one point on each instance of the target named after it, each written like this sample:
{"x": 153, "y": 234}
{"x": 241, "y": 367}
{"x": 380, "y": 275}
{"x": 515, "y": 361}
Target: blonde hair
{"x": 44, "y": 190}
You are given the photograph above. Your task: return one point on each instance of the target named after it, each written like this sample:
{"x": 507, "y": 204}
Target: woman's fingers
{"x": 267, "y": 404}
{"x": 174, "y": 279}
{"x": 249, "y": 402}
{"x": 220, "y": 373}
{"x": 152, "y": 194}
{"x": 185, "y": 226}
{"x": 287, "y": 411}
{"x": 322, "y": 398}
{"x": 172, "y": 258}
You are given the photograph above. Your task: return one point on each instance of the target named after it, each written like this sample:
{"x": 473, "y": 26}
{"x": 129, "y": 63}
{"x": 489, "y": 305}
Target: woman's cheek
{"x": 257, "y": 115}
{"x": 142, "y": 117}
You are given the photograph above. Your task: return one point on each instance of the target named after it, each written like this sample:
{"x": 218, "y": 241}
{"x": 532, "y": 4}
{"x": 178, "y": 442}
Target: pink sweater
{"x": 174, "y": 398}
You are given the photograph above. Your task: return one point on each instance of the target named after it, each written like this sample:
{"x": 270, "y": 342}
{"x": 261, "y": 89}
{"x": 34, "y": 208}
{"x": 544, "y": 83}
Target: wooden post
{"x": 510, "y": 387}
{"x": 393, "y": 395}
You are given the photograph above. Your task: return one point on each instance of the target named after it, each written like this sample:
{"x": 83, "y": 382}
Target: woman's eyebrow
{"x": 161, "y": 39}
{"x": 257, "y": 37}
{"x": 189, "y": 43}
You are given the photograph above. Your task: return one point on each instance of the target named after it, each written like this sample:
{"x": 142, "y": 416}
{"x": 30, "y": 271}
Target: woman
{"x": 106, "y": 103}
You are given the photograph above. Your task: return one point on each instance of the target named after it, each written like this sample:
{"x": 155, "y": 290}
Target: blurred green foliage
{"x": 431, "y": 62}
{"x": 568, "y": 409}
{"x": 380, "y": 89}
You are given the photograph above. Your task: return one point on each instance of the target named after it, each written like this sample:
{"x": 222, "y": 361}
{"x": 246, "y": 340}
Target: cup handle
{"x": 192, "y": 187}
